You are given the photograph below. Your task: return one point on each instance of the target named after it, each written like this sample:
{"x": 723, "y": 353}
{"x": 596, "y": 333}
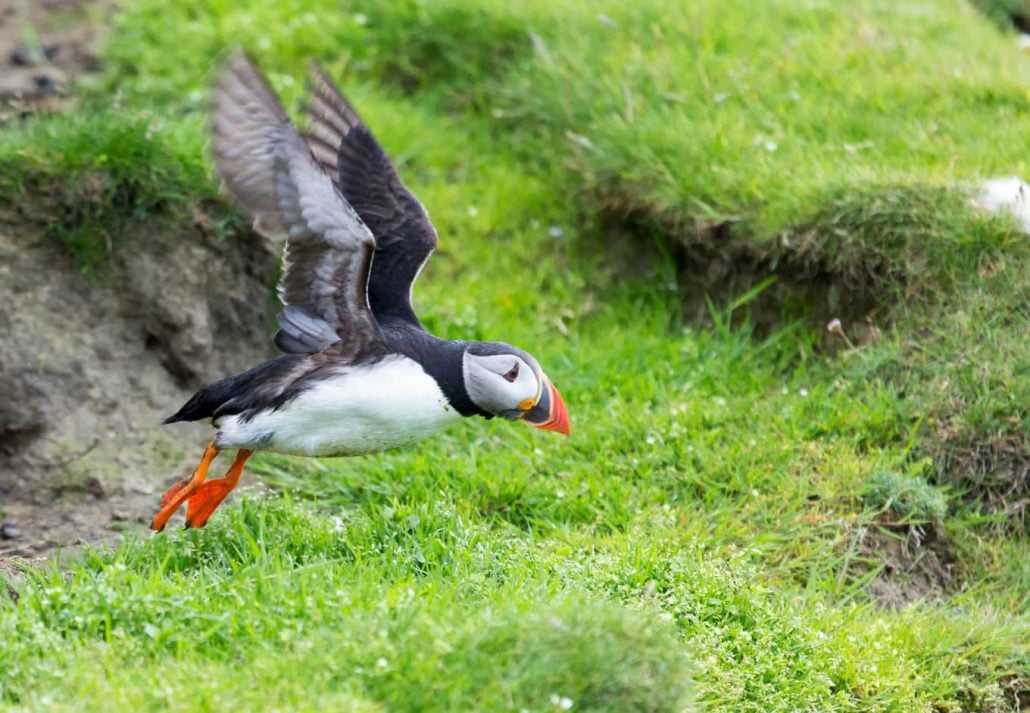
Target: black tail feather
{"x": 236, "y": 393}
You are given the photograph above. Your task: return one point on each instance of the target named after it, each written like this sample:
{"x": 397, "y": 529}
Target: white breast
{"x": 357, "y": 410}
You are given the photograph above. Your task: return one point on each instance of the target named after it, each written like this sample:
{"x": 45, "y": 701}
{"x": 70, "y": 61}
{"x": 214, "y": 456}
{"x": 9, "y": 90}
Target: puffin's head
{"x": 505, "y": 381}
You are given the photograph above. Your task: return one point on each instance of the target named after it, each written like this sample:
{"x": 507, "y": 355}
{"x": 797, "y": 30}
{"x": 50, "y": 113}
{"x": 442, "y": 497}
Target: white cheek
{"x": 526, "y": 385}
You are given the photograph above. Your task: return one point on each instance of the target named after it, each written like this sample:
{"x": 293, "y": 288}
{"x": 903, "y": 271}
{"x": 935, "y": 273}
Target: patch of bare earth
{"x": 89, "y": 368}
{"x": 907, "y": 564}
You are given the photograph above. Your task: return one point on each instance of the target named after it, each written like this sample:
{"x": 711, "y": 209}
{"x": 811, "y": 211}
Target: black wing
{"x": 270, "y": 170}
{"x": 360, "y": 168}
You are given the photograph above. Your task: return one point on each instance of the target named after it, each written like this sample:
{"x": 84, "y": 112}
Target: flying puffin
{"x": 359, "y": 373}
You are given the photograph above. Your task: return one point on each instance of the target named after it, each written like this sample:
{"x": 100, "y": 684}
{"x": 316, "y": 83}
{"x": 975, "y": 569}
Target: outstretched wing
{"x": 270, "y": 170}
{"x": 358, "y": 165}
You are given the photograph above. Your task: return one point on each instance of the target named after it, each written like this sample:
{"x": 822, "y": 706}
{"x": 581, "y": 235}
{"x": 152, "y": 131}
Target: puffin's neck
{"x": 441, "y": 359}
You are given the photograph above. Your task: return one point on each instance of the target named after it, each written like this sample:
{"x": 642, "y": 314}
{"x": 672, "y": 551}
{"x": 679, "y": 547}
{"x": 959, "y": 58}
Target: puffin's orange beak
{"x": 549, "y": 413}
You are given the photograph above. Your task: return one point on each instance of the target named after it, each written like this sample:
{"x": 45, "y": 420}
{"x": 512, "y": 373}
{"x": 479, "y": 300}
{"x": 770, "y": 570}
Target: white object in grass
{"x": 1010, "y": 194}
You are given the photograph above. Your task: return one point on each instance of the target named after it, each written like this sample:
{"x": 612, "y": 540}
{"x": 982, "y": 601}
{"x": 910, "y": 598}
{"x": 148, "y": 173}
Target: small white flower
{"x": 473, "y": 211}
{"x": 382, "y": 663}
{"x": 555, "y": 231}
{"x": 803, "y": 391}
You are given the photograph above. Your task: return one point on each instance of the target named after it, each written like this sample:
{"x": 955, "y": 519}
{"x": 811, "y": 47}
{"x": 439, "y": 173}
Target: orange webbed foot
{"x": 176, "y": 495}
{"x": 173, "y": 491}
{"x": 206, "y": 499}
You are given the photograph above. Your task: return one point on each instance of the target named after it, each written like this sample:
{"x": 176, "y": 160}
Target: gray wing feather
{"x": 298, "y": 329}
{"x": 270, "y": 171}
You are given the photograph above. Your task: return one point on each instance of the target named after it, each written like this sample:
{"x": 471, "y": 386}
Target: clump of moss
{"x": 909, "y": 497}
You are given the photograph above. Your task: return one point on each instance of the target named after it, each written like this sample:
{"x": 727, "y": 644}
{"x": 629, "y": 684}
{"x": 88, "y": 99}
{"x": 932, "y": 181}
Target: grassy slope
{"x": 705, "y": 520}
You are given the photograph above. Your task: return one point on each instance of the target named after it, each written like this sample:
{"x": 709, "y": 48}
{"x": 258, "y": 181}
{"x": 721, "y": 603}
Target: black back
{"x": 276, "y": 382}
{"x": 441, "y": 359}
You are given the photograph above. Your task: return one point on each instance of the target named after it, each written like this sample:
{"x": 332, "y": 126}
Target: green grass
{"x": 89, "y": 177}
{"x": 699, "y": 540}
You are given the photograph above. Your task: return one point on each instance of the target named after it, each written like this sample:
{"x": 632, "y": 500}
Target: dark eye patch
{"x": 512, "y": 373}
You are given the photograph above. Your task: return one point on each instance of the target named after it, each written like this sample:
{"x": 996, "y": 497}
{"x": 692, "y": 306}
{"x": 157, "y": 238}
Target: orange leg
{"x": 176, "y": 495}
{"x": 206, "y": 499}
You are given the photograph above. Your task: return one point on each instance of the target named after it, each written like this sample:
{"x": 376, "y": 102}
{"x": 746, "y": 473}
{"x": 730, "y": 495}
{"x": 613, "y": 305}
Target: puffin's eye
{"x": 512, "y": 373}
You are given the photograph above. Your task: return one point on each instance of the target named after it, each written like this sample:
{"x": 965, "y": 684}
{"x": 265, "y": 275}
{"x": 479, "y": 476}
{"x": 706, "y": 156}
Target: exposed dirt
{"x": 44, "y": 45}
{"x": 918, "y": 564}
{"x": 89, "y": 369}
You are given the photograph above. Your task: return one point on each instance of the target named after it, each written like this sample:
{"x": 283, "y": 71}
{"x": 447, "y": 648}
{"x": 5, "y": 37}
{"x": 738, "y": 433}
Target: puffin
{"x": 358, "y": 372}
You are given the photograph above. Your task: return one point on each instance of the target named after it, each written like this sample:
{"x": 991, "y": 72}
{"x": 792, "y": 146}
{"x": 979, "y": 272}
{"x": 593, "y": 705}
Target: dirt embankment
{"x": 88, "y": 369}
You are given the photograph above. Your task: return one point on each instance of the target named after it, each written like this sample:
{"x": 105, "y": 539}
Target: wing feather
{"x": 277, "y": 181}
{"x": 348, "y": 152}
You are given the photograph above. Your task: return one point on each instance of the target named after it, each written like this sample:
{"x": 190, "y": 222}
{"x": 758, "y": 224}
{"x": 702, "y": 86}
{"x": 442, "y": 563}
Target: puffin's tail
{"x": 236, "y": 393}
{"x": 206, "y": 402}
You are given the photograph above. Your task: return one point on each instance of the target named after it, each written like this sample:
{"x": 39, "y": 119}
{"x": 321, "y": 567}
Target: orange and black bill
{"x": 549, "y": 413}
